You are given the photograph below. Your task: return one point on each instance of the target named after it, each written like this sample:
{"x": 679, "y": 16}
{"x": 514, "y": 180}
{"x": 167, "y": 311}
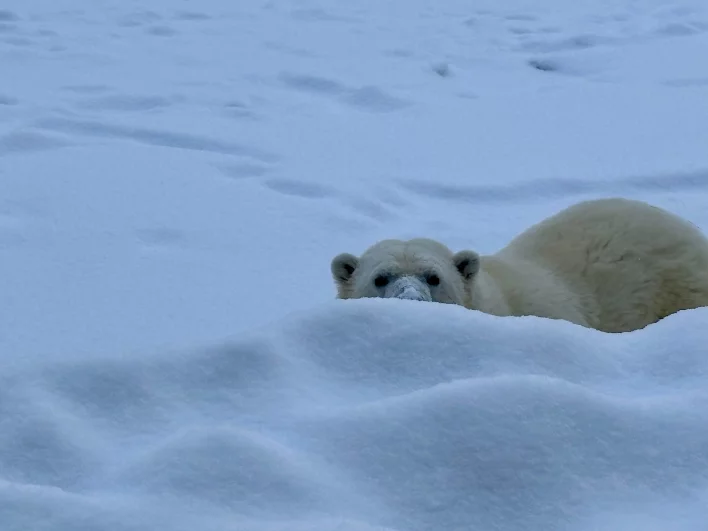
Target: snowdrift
{"x": 365, "y": 415}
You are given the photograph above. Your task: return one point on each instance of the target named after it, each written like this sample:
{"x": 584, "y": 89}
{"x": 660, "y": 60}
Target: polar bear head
{"x": 418, "y": 269}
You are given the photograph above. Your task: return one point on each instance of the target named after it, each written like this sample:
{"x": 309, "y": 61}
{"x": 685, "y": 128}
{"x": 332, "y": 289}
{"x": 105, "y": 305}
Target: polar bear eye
{"x": 433, "y": 280}
{"x": 380, "y": 281}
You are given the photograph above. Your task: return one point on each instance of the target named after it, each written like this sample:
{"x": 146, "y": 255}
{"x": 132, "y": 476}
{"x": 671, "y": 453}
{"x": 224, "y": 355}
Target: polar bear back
{"x": 612, "y": 264}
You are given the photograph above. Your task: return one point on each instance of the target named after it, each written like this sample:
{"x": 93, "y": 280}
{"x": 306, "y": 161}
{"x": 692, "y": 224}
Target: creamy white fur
{"x": 611, "y": 264}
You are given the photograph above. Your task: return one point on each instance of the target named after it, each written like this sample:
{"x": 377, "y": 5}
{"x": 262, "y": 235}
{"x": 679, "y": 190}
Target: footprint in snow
{"x": 564, "y": 44}
{"x": 687, "y": 82}
{"x": 368, "y": 98}
{"x": 154, "y": 137}
{"x": 557, "y": 187}
{"x": 161, "y": 31}
{"x": 369, "y": 208}
{"x": 86, "y": 88}
{"x": 680, "y": 29}
{"x": 243, "y": 171}
{"x": 17, "y": 142}
{"x": 191, "y": 15}
{"x": 521, "y": 17}
{"x": 238, "y": 110}
{"x": 312, "y": 84}
{"x": 373, "y": 99}
{"x": 8, "y": 16}
{"x": 299, "y": 188}
{"x": 121, "y": 102}
{"x": 8, "y": 100}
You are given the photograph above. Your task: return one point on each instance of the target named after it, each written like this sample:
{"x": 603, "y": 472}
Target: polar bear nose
{"x": 409, "y": 288}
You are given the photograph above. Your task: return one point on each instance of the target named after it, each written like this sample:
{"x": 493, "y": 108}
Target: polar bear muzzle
{"x": 408, "y": 288}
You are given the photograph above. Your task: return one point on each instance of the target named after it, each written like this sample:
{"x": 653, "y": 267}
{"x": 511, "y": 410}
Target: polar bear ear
{"x": 343, "y": 267}
{"x": 467, "y": 263}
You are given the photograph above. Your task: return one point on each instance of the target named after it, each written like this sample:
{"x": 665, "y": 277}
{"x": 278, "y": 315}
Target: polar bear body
{"x": 611, "y": 264}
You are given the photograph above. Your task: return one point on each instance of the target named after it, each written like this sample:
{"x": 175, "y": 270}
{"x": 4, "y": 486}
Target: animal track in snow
{"x": 350, "y": 224}
{"x": 27, "y": 142}
{"x": 557, "y": 187}
{"x": 8, "y": 100}
{"x": 391, "y": 198}
{"x": 238, "y": 110}
{"x": 572, "y": 43}
{"x": 687, "y": 82}
{"x": 521, "y": 17}
{"x": 8, "y": 16}
{"x": 191, "y": 15}
{"x": 374, "y": 99}
{"x": 545, "y": 65}
{"x": 586, "y": 66}
{"x": 299, "y": 188}
{"x": 243, "y": 171}
{"x": 86, "y": 89}
{"x": 680, "y": 29}
{"x": 367, "y": 98}
{"x": 126, "y": 103}
{"x": 370, "y": 208}
{"x": 618, "y": 28}
{"x": 313, "y": 84}
{"x": 154, "y": 137}
{"x": 377, "y": 210}
{"x": 161, "y": 31}
{"x": 21, "y": 42}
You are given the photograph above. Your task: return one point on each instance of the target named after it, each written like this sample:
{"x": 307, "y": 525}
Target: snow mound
{"x": 364, "y": 415}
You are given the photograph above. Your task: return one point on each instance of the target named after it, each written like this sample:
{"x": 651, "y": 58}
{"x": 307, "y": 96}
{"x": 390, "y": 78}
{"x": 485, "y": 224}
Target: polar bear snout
{"x": 408, "y": 288}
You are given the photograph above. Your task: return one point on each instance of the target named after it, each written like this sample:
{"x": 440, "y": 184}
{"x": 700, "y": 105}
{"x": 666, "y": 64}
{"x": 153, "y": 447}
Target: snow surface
{"x": 175, "y": 178}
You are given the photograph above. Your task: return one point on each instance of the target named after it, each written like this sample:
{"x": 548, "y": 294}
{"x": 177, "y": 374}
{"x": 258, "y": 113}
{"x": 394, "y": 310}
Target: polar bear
{"x": 615, "y": 265}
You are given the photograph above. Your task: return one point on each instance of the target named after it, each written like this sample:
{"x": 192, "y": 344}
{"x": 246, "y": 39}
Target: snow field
{"x": 174, "y": 180}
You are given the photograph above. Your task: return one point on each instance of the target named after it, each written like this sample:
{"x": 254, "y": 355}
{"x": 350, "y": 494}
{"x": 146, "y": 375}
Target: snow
{"x": 365, "y": 414}
{"x": 176, "y": 177}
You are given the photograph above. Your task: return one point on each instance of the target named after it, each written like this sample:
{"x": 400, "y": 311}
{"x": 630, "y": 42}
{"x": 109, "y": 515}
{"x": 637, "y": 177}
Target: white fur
{"x": 611, "y": 264}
